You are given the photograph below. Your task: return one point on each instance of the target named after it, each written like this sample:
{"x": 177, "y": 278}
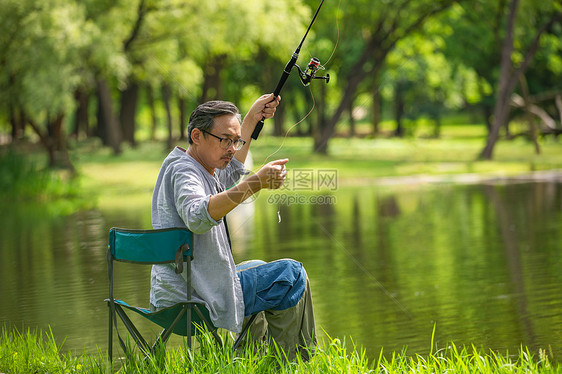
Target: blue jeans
{"x": 279, "y": 293}
{"x": 276, "y": 285}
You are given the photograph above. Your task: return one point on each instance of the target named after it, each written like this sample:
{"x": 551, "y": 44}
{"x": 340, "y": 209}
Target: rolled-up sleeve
{"x": 192, "y": 202}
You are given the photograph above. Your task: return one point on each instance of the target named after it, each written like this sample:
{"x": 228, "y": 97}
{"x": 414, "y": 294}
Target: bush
{"x": 22, "y": 179}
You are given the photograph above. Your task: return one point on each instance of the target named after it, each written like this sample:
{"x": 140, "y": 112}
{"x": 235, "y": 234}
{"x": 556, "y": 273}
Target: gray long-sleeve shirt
{"x": 180, "y": 199}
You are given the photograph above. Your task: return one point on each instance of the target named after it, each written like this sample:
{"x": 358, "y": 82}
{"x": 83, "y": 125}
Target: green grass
{"x": 37, "y": 352}
{"x": 390, "y": 157}
{"x": 357, "y": 160}
{"x": 105, "y": 178}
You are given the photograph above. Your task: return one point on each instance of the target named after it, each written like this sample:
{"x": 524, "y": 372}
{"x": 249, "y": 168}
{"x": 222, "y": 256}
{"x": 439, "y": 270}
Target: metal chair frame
{"x": 143, "y": 247}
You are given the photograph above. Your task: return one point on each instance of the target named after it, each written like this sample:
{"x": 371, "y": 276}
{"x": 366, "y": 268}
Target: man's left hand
{"x": 264, "y": 107}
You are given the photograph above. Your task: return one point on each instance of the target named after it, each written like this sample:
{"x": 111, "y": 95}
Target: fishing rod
{"x": 306, "y": 75}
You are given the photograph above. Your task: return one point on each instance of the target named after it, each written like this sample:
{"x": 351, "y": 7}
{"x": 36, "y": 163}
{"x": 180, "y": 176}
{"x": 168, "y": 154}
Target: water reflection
{"x": 482, "y": 262}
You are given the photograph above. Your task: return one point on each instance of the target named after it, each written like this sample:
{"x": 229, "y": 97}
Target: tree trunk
{"x": 128, "y": 111}
{"x": 142, "y": 11}
{"x": 153, "y": 116}
{"x": 320, "y": 133}
{"x": 111, "y": 128}
{"x": 61, "y": 157}
{"x": 101, "y": 125}
{"x": 166, "y": 94}
{"x": 352, "y": 130}
{"x": 212, "y": 82}
{"x": 355, "y": 77}
{"x": 501, "y": 110}
{"x": 17, "y": 122}
{"x": 54, "y": 142}
{"x": 508, "y": 80}
{"x": 377, "y": 115}
{"x": 399, "y": 109}
{"x": 81, "y": 118}
{"x": 279, "y": 120}
{"x": 437, "y": 129}
{"x": 183, "y": 118}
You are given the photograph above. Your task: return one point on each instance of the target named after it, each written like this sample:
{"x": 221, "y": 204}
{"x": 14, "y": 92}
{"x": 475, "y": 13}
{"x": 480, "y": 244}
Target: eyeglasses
{"x": 225, "y": 143}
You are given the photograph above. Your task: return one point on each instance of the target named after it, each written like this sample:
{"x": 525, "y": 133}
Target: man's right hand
{"x": 272, "y": 175}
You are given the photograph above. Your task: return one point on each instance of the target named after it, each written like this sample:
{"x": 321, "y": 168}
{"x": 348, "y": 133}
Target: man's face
{"x": 211, "y": 152}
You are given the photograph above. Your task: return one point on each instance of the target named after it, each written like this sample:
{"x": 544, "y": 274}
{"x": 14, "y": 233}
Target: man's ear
{"x": 195, "y": 136}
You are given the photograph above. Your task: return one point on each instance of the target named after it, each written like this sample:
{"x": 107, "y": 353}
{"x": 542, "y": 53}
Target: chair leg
{"x": 158, "y": 340}
{"x": 110, "y": 342}
{"x": 208, "y": 325}
{"x": 188, "y": 327}
{"x": 244, "y": 332}
{"x": 141, "y": 343}
{"x": 170, "y": 329}
{"x": 166, "y": 333}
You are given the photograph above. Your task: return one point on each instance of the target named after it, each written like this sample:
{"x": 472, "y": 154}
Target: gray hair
{"x": 203, "y": 117}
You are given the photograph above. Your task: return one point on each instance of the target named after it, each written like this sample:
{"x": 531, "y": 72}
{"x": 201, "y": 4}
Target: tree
{"x": 105, "y": 65}
{"x": 419, "y": 79}
{"x": 156, "y": 50}
{"x": 195, "y": 51}
{"x": 479, "y": 38}
{"x": 474, "y": 43}
{"x": 510, "y": 74}
{"x": 374, "y": 30}
{"x": 39, "y": 51}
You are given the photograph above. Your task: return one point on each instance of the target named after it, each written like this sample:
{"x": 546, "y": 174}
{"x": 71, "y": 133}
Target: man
{"x": 196, "y": 188}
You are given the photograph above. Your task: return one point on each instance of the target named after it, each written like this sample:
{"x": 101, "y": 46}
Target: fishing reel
{"x": 309, "y": 74}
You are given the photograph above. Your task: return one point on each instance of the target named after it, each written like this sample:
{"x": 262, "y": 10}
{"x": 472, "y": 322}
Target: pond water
{"x": 480, "y": 262}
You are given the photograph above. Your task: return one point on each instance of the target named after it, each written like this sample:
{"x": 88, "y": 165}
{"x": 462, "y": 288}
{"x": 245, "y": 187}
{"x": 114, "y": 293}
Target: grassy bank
{"x": 363, "y": 160}
{"x": 37, "y": 352}
{"x": 356, "y": 159}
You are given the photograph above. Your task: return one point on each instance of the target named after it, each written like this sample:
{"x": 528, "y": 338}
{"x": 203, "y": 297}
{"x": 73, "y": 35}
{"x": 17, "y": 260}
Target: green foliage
{"x": 235, "y": 49}
{"x": 40, "y": 50}
{"x": 476, "y": 31}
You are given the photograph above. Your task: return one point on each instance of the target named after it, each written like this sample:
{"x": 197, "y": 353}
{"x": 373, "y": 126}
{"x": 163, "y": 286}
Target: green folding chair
{"x": 149, "y": 247}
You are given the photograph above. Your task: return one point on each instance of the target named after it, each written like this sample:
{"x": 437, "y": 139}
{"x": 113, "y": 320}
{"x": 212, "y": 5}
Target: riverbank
{"x": 356, "y": 161}
{"x": 37, "y": 352}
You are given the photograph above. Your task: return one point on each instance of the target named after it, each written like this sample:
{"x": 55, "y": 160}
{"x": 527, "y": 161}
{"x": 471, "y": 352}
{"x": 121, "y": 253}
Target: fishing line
{"x": 323, "y": 67}
{"x": 337, "y": 37}
{"x": 293, "y": 126}
{"x": 364, "y": 270}
{"x": 283, "y": 143}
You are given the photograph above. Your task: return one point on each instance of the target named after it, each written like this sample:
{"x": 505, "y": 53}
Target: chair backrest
{"x": 150, "y": 246}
